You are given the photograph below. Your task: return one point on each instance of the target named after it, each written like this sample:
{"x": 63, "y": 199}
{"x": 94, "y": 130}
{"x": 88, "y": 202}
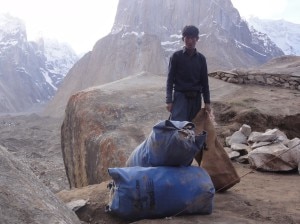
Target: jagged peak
{"x": 10, "y": 25}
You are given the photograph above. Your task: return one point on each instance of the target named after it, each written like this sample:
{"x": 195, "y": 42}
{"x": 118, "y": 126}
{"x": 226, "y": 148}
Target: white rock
{"x": 260, "y": 144}
{"x": 227, "y": 149}
{"x": 240, "y": 147}
{"x": 261, "y": 137}
{"x": 246, "y": 130}
{"x": 75, "y": 205}
{"x": 238, "y": 137}
{"x": 242, "y": 159}
{"x": 293, "y": 142}
{"x": 233, "y": 154}
{"x": 280, "y": 135}
{"x": 227, "y": 140}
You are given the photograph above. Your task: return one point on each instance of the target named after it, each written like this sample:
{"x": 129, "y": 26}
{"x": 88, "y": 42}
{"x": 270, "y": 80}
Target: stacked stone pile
{"x": 258, "y": 78}
{"x": 269, "y": 151}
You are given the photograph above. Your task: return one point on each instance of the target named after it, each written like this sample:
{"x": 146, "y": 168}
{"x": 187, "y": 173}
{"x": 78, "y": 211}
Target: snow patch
{"x": 170, "y": 42}
{"x": 240, "y": 44}
{"x": 133, "y": 33}
{"x": 176, "y": 36}
{"x": 48, "y": 79}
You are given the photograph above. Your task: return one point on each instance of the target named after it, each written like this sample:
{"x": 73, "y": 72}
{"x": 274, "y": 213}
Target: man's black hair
{"x": 190, "y": 31}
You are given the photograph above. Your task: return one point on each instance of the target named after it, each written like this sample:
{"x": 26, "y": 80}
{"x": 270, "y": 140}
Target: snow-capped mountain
{"x": 60, "y": 57}
{"x": 30, "y": 72}
{"x": 285, "y": 34}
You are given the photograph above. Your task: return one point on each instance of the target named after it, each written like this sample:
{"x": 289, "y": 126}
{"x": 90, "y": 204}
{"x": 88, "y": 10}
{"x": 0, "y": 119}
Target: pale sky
{"x": 288, "y": 10}
{"x": 82, "y": 22}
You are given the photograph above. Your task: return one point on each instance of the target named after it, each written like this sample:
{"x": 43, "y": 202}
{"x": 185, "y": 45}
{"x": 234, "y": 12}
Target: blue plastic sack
{"x": 157, "y": 192}
{"x": 171, "y": 143}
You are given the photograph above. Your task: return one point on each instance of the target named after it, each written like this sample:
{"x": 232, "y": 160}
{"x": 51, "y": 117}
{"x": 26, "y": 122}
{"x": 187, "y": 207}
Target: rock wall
{"x": 258, "y": 78}
{"x": 279, "y": 72}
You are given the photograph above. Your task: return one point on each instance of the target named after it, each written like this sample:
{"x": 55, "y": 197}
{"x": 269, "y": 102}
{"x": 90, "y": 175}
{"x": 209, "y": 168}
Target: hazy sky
{"x": 269, "y": 9}
{"x": 82, "y": 22}
{"x": 78, "y": 22}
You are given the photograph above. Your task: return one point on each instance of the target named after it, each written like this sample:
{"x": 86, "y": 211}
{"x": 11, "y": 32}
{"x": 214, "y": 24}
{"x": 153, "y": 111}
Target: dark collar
{"x": 185, "y": 51}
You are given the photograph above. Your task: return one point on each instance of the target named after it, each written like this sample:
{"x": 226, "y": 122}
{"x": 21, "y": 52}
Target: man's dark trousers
{"x": 185, "y": 107}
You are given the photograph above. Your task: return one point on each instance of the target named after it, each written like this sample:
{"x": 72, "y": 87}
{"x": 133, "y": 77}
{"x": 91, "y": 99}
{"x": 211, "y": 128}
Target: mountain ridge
{"x": 29, "y": 75}
{"x": 285, "y": 34}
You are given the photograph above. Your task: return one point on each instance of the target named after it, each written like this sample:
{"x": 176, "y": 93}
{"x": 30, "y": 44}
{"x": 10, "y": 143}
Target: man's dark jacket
{"x": 187, "y": 73}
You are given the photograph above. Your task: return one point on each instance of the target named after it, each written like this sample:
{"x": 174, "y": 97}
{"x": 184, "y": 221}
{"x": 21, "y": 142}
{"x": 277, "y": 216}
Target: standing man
{"x": 187, "y": 79}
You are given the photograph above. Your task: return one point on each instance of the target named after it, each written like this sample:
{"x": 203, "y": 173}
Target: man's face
{"x": 190, "y": 42}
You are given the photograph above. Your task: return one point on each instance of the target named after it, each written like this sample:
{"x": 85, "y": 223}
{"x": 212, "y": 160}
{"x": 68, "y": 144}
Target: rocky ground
{"x": 260, "y": 197}
{"x": 35, "y": 140}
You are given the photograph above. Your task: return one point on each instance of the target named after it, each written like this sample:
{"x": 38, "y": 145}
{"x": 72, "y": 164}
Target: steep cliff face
{"x": 26, "y": 79}
{"x": 223, "y": 34}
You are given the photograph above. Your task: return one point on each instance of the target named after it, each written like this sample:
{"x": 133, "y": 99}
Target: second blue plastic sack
{"x": 157, "y": 192}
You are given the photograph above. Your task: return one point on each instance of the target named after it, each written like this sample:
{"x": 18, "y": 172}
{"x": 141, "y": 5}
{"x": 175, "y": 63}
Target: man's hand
{"x": 169, "y": 107}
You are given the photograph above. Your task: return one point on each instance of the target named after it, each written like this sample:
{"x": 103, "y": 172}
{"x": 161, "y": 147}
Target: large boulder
{"x": 24, "y": 199}
{"x": 103, "y": 125}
